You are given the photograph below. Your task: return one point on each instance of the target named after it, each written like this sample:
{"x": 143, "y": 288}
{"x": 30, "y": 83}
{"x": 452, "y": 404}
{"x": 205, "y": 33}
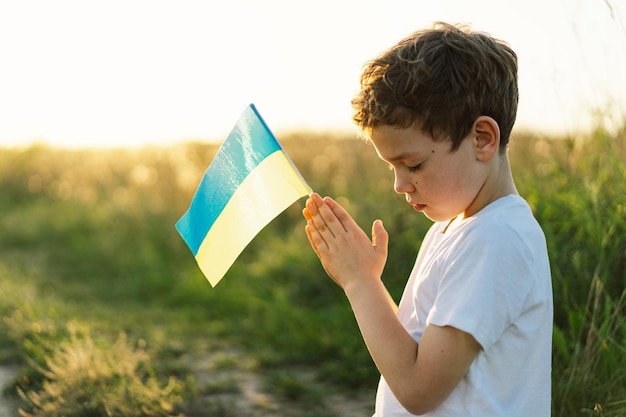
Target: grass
{"x": 106, "y": 312}
{"x": 94, "y": 379}
{"x": 577, "y": 192}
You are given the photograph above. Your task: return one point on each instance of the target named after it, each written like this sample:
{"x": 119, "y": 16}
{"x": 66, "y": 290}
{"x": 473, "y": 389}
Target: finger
{"x": 314, "y": 238}
{"x": 347, "y": 222}
{"x": 310, "y": 228}
{"x": 321, "y": 217}
{"x": 306, "y": 213}
{"x": 380, "y": 237}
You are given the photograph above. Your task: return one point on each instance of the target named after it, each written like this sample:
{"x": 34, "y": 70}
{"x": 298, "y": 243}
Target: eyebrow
{"x": 400, "y": 157}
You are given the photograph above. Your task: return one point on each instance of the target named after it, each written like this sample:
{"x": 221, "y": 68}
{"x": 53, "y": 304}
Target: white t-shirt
{"x": 487, "y": 275}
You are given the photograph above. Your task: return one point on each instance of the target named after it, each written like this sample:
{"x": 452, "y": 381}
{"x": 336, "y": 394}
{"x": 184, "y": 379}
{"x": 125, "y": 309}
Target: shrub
{"x": 82, "y": 378}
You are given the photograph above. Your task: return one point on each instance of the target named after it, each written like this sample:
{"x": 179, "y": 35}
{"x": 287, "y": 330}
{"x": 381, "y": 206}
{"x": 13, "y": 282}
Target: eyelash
{"x": 411, "y": 169}
{"x": 415, "y": 168}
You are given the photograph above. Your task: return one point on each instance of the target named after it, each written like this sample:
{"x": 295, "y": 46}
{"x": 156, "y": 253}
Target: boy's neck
{"x": 498, "y": 184}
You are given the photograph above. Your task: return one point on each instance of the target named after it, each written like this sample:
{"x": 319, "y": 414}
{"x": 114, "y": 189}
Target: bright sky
{"x": 133, "y": 72}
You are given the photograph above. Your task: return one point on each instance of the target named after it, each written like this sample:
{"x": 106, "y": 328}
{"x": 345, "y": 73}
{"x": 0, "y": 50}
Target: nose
{"x": 401, "y": 184}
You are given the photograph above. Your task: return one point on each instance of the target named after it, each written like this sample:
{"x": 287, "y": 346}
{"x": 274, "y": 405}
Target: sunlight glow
{"x": 78, "y": 73}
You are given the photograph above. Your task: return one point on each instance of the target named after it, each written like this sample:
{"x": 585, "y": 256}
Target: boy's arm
{"x": 421, "y": 377}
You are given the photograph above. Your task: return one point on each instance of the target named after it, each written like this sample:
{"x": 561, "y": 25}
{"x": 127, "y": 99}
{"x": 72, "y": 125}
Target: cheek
{"x": 465, "y": 183}
{"x": 460, "y": 180}
{"x": 451, "y": 184}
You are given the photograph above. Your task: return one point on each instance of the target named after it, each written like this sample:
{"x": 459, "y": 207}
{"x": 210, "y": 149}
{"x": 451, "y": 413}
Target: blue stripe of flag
{"x": 248, "y": 143}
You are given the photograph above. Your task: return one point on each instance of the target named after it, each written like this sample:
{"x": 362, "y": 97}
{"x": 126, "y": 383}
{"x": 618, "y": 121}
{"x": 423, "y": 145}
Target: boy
{"x": 472, "y": 334}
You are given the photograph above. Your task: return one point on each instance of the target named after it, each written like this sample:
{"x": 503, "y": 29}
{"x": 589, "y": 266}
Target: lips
{"x": 416, "y": 206}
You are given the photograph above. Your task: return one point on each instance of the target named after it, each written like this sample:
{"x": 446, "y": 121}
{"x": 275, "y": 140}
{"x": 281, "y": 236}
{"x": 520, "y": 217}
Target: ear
{"x": 486, "y": 133}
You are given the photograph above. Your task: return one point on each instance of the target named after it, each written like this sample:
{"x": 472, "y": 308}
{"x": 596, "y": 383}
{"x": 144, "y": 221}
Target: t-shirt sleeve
{"x": 484, "y": 281}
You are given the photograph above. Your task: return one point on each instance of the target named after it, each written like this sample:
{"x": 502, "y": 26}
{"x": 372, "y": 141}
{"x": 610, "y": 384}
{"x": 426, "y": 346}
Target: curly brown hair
{"x": 441, "y": 78}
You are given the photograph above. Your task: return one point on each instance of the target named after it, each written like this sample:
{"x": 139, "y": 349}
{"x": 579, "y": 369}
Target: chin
{"x": 438, "y": 217}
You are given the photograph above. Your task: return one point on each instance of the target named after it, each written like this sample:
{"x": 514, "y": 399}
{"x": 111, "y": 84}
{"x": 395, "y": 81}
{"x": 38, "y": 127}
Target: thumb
{"x": 380, "y": 237}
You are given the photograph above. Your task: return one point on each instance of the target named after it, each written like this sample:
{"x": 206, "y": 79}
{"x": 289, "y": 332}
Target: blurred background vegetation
{"x": 103, "y": 310}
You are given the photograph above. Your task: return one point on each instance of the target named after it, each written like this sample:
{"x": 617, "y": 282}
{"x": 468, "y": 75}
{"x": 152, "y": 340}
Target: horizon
{"x": 142, "y": 73}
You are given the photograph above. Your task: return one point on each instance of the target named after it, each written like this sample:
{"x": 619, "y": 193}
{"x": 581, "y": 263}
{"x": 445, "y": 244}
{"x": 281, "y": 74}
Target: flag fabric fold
{"x": 250, "y": 181}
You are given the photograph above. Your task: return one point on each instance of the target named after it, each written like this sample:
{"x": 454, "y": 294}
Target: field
{"x": 103, "y": 311}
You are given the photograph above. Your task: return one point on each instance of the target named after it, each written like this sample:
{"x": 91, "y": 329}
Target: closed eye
{"x": 412, "y": 168}
{"x": 415, "y": 168}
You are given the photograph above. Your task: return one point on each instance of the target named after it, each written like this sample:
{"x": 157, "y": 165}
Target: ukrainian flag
{"x": 250, "y": 181}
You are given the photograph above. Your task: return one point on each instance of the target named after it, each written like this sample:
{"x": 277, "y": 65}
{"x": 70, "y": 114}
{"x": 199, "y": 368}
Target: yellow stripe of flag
{"x": 265, "y": 193}
{"x": 250, "y": 181}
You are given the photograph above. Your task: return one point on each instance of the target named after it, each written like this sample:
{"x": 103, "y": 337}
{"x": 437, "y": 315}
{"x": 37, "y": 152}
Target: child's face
{"x": 440, "y": 183}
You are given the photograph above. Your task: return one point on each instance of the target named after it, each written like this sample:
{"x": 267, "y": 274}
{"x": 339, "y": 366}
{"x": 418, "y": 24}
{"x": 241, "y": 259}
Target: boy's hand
{"x": 346, "y": 252}
{"x": 421, "y": 378}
